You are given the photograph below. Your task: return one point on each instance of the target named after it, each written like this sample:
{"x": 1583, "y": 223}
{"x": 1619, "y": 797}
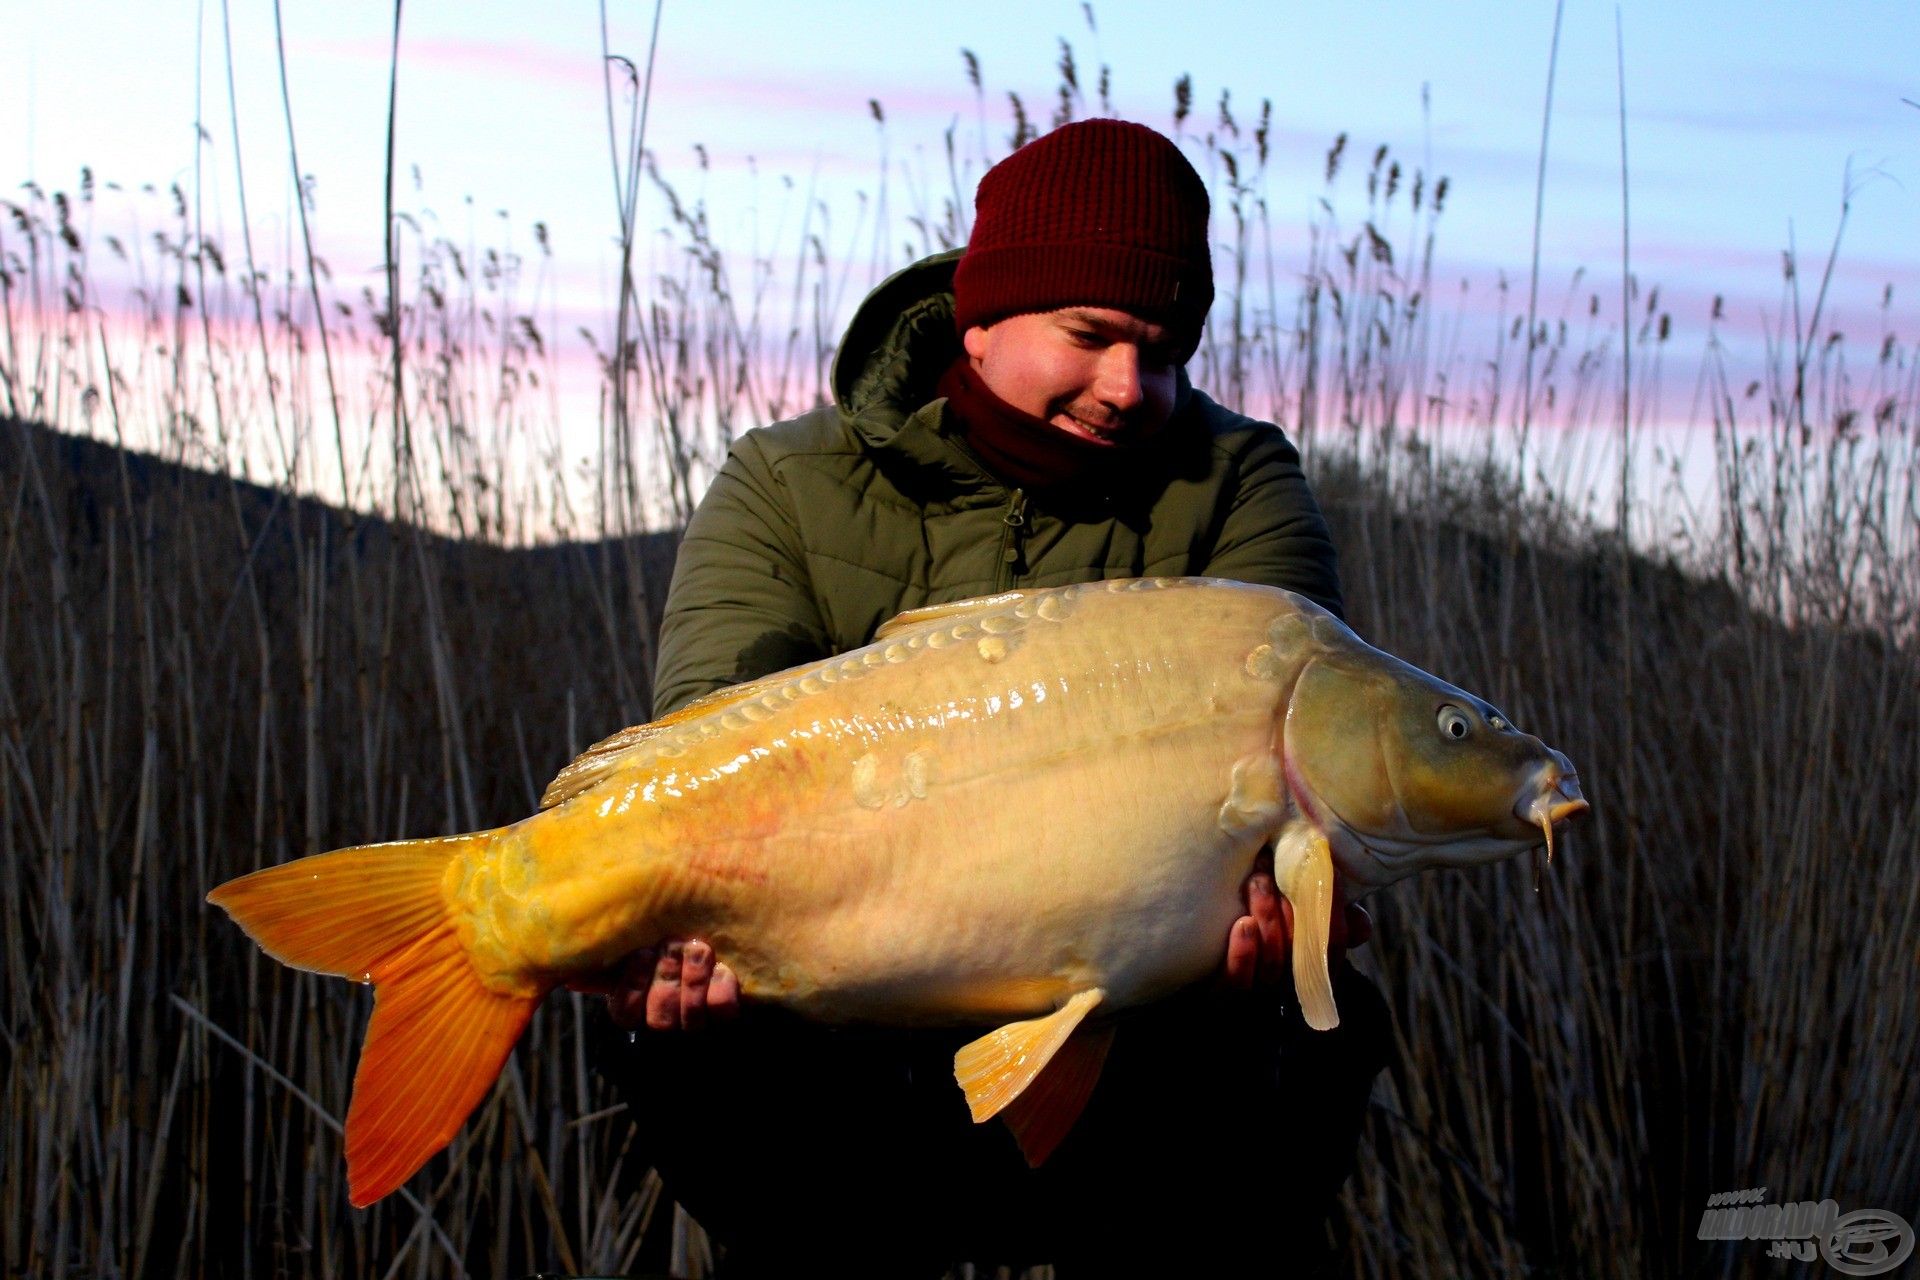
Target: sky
{"x": 1747, "y": 124}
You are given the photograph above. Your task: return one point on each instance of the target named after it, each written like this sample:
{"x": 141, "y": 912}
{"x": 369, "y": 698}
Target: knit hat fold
{"x": 1098, "y": 213}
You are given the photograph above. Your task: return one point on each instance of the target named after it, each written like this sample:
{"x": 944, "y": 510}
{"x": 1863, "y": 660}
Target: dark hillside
{"x": 182, "y": 562}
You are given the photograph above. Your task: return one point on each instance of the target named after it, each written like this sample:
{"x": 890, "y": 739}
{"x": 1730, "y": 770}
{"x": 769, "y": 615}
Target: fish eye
{"x": 1454, "y": 722}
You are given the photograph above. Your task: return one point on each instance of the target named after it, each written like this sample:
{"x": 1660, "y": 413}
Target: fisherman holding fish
{"x": 988, "y": 688}
{"x": 1014, "y": 415}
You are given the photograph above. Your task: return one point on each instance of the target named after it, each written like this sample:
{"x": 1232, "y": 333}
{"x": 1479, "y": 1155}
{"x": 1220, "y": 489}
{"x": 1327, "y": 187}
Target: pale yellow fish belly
{"x": 975, "y": 819}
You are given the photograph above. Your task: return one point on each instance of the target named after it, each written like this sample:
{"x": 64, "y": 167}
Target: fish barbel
{"x": 1016, "y": 811}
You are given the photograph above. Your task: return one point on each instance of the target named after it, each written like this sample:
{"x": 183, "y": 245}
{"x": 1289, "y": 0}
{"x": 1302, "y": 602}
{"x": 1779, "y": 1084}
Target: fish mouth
{"x": 1554, "y": 800}
{"x": 1368, "y": 859}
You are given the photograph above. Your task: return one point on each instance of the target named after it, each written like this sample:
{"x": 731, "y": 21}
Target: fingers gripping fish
{"x": 1027, "y": 811}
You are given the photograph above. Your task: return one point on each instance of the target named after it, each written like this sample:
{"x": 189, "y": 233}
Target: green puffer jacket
{"x": 820, "y": 528}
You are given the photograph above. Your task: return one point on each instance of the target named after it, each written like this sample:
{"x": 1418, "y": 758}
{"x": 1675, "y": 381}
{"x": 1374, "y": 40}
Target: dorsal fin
{"x": 952, "y": 610}
{"x": 596, "y": 762}
{"x": 611, "y": 754}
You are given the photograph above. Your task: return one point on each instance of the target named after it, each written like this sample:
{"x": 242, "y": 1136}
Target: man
{"x": 1016, "y": 415}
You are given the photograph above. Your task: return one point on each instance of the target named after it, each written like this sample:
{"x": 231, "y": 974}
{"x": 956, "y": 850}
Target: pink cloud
{"x": 678, "y": 81}
{"x": 520, "y": 61}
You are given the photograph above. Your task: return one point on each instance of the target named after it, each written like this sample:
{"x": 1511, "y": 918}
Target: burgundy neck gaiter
{"x": 1029, "y": 452}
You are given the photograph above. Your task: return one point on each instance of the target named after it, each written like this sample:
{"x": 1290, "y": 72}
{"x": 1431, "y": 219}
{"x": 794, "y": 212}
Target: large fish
{"x": 1023, "y": 811}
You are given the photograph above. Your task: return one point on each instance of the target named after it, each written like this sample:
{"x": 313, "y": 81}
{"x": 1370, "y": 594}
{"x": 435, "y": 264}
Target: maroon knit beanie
{"x": 1101, "y": 213}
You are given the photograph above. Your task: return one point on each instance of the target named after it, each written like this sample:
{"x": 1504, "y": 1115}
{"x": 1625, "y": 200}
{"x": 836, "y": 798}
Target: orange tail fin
{"x": 439, "y": 1036}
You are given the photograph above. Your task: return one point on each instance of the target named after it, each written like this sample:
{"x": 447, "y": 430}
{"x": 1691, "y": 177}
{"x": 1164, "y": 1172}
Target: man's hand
{"x": 1260, "y": 943}
{"x": 676, "y": 985}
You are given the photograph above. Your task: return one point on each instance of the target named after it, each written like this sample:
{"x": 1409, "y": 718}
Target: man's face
{"x": 1094, "y": 372}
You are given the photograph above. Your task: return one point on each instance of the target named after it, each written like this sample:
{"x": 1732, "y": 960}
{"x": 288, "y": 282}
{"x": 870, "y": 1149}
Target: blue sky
{"x": 1743, "y": 120}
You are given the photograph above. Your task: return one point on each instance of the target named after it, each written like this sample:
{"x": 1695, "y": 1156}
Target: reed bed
{"x": 207, "y": 667}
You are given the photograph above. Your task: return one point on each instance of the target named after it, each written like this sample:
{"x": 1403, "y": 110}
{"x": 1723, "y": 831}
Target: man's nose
{"x": 1119, "y": 382}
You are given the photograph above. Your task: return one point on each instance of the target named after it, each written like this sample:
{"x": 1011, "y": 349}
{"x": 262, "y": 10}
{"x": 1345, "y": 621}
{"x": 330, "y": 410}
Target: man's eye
{"x": 1084, "y": 336}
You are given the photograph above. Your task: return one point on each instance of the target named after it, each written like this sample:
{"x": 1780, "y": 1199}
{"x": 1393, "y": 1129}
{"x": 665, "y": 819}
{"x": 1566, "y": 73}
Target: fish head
{"x": 1404, "y": 771}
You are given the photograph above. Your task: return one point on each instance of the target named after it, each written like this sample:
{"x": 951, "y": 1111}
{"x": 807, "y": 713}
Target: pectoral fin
{"x": 1303, "y": 867}
{"x": 1039, "y": 1073}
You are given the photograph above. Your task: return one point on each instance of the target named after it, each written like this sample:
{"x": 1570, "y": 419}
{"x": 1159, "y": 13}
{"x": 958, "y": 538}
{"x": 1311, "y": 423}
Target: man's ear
{"x": 975, "y": 341}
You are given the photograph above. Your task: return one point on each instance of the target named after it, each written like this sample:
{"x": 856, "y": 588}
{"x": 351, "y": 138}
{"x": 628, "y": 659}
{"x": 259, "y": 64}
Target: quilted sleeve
{"x": 1271, "y": 530}
{"x": 741, "y": 604}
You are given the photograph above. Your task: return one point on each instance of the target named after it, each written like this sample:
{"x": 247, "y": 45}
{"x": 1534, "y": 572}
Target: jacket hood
{"x": 907, "y": 321}
{"x": 900, "y": 341}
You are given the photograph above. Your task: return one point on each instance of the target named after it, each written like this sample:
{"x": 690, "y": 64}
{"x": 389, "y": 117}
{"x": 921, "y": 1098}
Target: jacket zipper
{"x": 1012, "y": 553}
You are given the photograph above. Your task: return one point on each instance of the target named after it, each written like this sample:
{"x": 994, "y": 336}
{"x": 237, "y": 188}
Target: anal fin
{"x": 1041, "y": 1116}
{"x": 1038, "y": 1073}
